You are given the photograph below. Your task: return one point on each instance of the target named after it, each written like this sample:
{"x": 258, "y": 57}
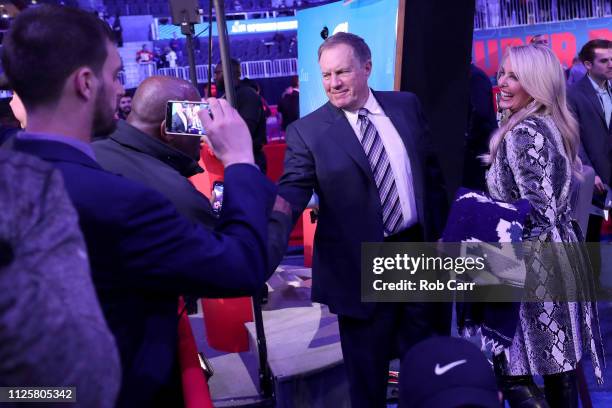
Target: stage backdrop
{"x": 565, "y": 38}
{"x": 374, "y": 20}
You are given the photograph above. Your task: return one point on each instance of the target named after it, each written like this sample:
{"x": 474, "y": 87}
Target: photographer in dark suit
{"x": 367, "y": 156}
{"x": 141, "y": 150}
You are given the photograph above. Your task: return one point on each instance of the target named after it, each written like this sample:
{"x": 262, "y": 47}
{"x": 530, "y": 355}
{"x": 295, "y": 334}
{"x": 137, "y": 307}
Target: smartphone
{"x": 217, "y": 196}
{"x": 182, "y": 118}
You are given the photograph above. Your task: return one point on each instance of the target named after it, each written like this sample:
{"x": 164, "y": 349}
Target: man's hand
{"x": 599, "y": 186}
{"x": 226, "y": 133}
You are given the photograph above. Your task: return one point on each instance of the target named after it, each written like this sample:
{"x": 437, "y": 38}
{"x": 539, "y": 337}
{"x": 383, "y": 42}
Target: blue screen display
{"x": 373, "y": 20}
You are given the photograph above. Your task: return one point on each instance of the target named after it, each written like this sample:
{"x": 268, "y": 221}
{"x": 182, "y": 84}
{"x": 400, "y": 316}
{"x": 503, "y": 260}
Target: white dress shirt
{"x": 396, "y": 151}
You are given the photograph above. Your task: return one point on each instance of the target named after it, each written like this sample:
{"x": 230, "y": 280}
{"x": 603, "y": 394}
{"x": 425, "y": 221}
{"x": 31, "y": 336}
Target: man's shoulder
{"x": 104, "y": 145}
{"x": 17, "y": 160}
{"x": 317, "y": 119}
{"x": 579, "y": 88}
{"x": 115, "y": 157}
{"x": 101, "y": 196}
{"x": 125, "y": 138}
{"x": 396, "y": 97}
{"x": 326, "y": 111}
{"x": 97, "y": 183}
{"x": 246, "y": 91}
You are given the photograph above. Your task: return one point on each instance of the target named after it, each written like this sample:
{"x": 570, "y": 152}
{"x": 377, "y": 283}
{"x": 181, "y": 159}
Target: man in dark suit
{"x": 387, "y": 190}
{"x": 591, "y": 101}
{"x": 179, "y": 119}
{"x": 142, "y": 253}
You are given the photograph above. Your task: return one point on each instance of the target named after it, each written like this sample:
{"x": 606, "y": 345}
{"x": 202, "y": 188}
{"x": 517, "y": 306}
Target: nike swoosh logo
{"x": 441, "y": 370}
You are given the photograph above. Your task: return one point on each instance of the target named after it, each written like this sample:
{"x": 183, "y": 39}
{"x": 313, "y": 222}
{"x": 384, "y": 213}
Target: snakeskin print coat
{"x": 551, "y": 336}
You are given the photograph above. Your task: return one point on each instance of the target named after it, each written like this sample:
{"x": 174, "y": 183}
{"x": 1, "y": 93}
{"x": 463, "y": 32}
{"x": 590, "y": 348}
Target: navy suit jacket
{"x": 143, "y": 254}
{"x": 177, "y": 123}
{"x": 595, "y": 134}
{"x": 324, "y": 154}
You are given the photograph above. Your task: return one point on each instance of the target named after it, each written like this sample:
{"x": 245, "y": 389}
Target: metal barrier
{"x": 201, "y": 73}
{"x": 507, "y": 13}
{"x": 134, "y": 74}
{"x": 256, "y": 69}
{"x": 284, "y": 67}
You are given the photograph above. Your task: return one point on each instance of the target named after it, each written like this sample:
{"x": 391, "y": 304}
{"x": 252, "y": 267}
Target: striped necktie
{"x": 381, "y": 170}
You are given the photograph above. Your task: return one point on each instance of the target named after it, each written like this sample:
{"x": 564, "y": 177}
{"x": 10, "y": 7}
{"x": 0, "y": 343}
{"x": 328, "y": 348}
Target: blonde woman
{"x": 533, "y": 156}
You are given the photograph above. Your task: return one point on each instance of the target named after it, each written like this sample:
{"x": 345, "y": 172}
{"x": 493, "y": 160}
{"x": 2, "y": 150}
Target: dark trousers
{"x": 369, "y": 344}
{"x": 171, "y": 394}
{"x": 593, "y": 235}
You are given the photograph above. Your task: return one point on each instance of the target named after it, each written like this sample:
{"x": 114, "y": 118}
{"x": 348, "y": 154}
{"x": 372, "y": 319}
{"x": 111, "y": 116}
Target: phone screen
{"x": 182, "y": 118}
{"x": 217, "y": 196}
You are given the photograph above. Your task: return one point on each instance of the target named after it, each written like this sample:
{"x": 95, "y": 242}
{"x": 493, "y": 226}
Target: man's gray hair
{"x": 359, "y": 46}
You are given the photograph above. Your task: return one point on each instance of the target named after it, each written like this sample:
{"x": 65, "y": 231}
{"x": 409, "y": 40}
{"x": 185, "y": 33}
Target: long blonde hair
{"x": 539, "y": 72}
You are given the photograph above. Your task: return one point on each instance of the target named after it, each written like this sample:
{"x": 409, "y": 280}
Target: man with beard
{"x": 124, "y": 107}
{"x": 143, "y": 254}
{"x": 141, "y": 150}
{"x": 250, "y": 107}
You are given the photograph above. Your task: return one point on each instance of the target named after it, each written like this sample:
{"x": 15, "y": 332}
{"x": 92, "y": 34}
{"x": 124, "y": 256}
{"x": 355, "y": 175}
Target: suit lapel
{"x": 591, "y": 95}
{"x": 398, "y": 119}
{"x": 407, "y": 133}
{"x": 344, "y": 136}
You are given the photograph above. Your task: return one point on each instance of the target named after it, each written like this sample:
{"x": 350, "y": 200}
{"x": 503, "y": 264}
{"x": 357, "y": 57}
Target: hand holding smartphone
{"x": 226, "y": 133}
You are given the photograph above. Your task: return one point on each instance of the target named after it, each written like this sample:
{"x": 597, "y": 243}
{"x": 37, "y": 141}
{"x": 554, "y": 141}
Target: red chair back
{"x": 195, "y": 387}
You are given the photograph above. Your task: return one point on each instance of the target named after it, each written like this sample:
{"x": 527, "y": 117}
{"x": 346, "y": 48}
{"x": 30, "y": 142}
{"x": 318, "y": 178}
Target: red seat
{"x": 225, "y": 323}
{"x": 213, "y": 171}
{"x": 275, "y": 155}
{"x": 195, "y": 387}
{"x": 309, "y": 231}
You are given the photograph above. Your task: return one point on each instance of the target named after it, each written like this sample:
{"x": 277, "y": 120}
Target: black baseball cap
{"x": 447, "y": 372}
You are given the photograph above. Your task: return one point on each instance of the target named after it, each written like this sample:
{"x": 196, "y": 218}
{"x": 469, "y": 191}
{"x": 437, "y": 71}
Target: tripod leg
{"x": 266, "y": 382}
